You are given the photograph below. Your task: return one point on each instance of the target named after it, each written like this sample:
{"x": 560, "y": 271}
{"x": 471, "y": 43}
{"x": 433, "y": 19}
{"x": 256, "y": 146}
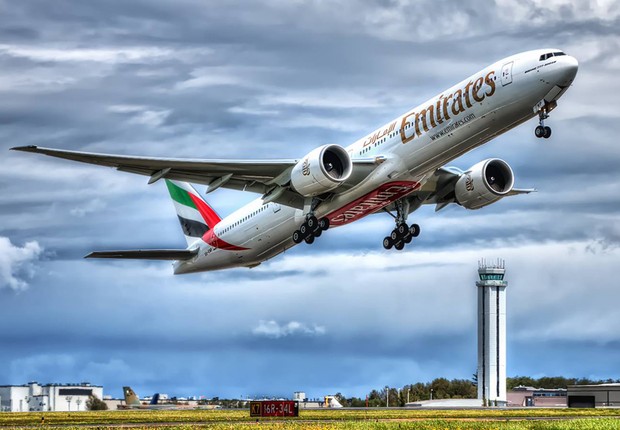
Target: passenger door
{"x": 507, "y": 74}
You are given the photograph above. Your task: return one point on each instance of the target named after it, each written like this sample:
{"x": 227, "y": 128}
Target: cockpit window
{"x": 550, "y": 54}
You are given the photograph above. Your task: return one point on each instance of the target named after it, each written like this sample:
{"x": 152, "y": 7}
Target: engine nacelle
{"x": 322, "y": 170}
{"x": 484, "y": 183}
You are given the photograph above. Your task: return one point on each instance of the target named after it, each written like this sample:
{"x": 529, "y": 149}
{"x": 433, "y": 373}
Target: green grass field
{"x": 326, "y": 419}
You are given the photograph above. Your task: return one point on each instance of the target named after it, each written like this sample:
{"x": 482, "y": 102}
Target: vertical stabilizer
{"x": 131, "y": 399}
{"x": 195, "y": 215}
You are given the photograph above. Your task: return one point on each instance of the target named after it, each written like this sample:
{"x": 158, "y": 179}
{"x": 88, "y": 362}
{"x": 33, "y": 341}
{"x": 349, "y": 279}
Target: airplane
{"x": 132, "y": 401}
{"x": 395, "y": 169}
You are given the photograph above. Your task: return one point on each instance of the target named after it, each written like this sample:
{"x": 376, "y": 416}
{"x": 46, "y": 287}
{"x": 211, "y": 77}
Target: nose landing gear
{"x": 543, "y": 108}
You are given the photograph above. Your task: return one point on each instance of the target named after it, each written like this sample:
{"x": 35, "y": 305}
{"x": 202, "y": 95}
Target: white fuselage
{"x": 414, "y": 145}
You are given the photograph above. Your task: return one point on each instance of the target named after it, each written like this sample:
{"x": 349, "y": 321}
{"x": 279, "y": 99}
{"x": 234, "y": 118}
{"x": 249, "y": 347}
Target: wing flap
{"x": 147, "y": 254}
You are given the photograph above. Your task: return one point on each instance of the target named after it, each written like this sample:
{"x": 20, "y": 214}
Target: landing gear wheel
{"x": 547, "y": 133}
{"x": 399, "y": 245}
{"x": 309, "y": 240}
{"x": 297, "y": 236}
{"x": 394, "y": 235}
{"x": 317, "y": 232}
{"x": 304, "y": 230}
{"x": 408, "y": 238}
{"x": 415, "y": 230}
{"x": 387, "y": 243}
{"x": 312, "y": 222}
{"x": 324, "y": 223}
{"x": 539, "y": 131}
{"x": 401, "y": 229}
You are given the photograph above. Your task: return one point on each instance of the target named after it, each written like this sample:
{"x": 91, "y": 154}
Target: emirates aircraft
{"x": 395, "y": 170}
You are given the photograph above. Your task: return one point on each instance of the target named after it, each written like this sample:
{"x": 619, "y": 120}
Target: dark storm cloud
{"x": 276, "y": 79}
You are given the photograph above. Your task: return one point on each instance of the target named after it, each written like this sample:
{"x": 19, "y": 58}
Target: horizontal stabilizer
{"x": 147, "y": 254}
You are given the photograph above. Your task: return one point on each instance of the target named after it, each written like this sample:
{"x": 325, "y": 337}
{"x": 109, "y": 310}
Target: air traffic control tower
{"x": 492, "y": 333}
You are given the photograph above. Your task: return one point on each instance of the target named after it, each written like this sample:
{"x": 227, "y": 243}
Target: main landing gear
{"x": 402, "y": 233}
{"x": 401, "y": 236}
{"x": 543, "y": 131}
{"x": 311, "y": 229}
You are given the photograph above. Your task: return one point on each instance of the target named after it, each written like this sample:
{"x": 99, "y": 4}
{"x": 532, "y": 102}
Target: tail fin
{"x": 155, "y": 399}
{"x": 130, "y": 397}
{"x": 195, "y": 215}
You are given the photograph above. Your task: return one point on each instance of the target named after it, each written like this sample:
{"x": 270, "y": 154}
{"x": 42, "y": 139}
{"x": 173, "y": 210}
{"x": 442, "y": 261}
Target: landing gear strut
{"x": 543, "y": 131}
{"x": 402, "y": 233}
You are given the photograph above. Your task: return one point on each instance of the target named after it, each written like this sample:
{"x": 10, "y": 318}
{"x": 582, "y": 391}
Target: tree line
{"x": 439, "y": 388}
{"x": 442, "y": 388}
{"x": 553, "y": 382}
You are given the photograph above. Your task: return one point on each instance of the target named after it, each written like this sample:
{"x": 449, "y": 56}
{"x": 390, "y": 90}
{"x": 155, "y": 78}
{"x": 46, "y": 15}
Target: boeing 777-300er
{"x": 395, "y": 169}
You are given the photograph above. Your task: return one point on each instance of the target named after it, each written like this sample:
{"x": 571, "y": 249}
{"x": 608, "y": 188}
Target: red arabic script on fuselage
{"x": 372, "y": 202}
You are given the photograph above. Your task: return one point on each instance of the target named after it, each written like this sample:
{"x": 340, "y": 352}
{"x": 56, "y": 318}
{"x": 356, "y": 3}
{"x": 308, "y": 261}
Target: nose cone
{"x": 567, "y": 67}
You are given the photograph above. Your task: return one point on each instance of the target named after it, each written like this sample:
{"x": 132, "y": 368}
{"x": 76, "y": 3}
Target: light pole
{"x": 408, "y": 391}
{"x": 431, "y": 394}
{"x": 68, "y": 402}
{"x": 78, "y": 401}
{"x": 387, "y": 396}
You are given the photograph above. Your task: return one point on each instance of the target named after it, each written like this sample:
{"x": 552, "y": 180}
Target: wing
{"x": 147, "y": 254}
{"x": 439, "y": 190}
{"x": 240, "y": 173}
{"x": 267, "y": 177}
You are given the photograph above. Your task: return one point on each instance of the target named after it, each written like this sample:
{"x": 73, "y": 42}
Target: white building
{"x": 300, "y": 396}
{"x": 49, "y": 397}
{"x": 492, "y": 333}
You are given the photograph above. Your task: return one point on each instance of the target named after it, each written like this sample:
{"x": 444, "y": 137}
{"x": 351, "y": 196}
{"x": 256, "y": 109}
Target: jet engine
{"x": 322, "y": 170}
{"x": 484, "y": 183}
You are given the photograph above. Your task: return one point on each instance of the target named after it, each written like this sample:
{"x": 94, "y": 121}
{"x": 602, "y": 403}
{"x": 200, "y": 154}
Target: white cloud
{"x": 91, "y": 206}
{"x": 126, "y": 108}
{"x": 213, "y": 76}
{"x": 537, "y": 11}
{"x": 151, "y": 118}
{"x": 104, "y": 55}
{"x": 324, "y": 99}
{"x": 252, "y": 111}
{"x": 275, "y": 330}
{"x": 558, "y": 291}
{"x": 17, "y": 263}
{"x": 142, "y": 115}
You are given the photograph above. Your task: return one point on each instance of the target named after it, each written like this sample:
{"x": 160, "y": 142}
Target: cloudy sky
{"x": 194, "y": 78}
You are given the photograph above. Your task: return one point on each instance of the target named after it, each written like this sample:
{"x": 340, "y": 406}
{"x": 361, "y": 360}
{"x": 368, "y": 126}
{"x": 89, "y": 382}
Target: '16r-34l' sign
{"x": 274, "y": 408}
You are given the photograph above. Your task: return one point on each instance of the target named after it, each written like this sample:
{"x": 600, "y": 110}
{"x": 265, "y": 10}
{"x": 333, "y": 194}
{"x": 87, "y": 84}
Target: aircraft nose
{"x": 567, "y": 70}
